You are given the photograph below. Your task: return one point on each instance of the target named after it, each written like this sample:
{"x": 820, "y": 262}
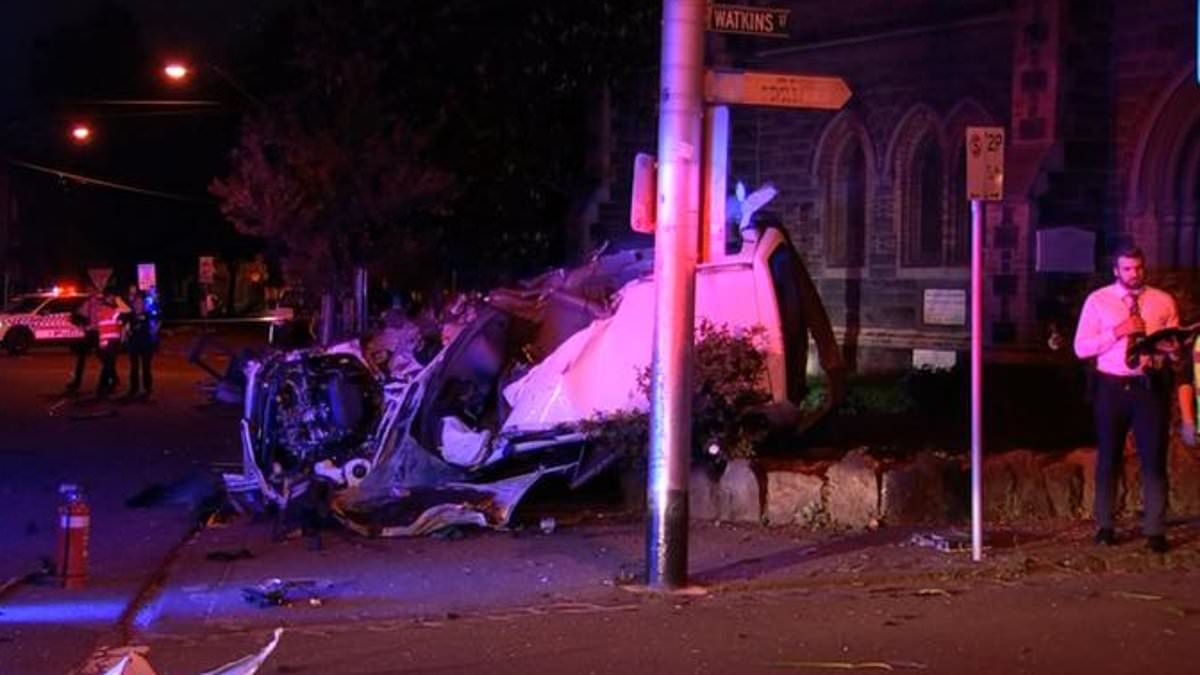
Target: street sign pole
{"x": 985, "y": 182}
{"x": 976, "y": 380}
{"x": 716, "y": 166}
{"x": 676, "y": 244}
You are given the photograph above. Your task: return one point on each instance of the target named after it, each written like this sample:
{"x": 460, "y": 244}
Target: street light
{"x": 81, "y": 133}
{"x": 176, "y": 72}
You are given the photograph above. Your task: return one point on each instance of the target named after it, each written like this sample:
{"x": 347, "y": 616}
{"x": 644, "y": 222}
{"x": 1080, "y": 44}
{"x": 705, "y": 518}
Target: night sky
{"x": 400, "y": 143}
{"x": 216, "y": 25}
{"x": 68, "y": 225}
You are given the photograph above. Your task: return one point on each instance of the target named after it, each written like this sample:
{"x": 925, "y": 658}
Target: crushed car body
{"x": 408, "y": 447}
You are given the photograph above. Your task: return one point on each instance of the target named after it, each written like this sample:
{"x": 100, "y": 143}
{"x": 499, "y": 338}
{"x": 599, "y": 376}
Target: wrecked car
{"x": 408, "y": 448}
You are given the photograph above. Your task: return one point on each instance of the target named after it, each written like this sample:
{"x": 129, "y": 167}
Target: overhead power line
{"x": 89, "y": 180}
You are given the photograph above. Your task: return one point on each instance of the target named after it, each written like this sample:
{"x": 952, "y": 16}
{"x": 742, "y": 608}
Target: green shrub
{"x": 729, "y": 387}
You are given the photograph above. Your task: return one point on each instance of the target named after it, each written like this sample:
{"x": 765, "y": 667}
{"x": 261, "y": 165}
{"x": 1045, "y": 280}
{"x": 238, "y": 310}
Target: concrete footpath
{"x": 202, "y": 615}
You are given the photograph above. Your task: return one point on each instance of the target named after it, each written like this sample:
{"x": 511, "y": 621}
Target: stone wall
{"x": 859, "y": 491}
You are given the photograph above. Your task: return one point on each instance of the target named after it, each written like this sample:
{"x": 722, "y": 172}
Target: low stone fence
{"x": 860, "y": 491}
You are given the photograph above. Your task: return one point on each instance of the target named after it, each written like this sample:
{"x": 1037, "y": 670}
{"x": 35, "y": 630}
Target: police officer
{"x": 139, "y": 324}
{"x": 88, "y": 318}
{"x": 109, "y": 336}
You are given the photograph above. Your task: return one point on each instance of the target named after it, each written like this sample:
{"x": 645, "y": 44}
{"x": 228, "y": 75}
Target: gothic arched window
{"x": 924, "y": 220}
{"x": 848, "y": 206}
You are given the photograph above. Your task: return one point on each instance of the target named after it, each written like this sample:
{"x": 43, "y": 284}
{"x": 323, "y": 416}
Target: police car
{"x": 40, "y": 318}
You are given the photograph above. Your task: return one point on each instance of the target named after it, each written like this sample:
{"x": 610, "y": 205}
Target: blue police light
{"x": 77, "y": 611}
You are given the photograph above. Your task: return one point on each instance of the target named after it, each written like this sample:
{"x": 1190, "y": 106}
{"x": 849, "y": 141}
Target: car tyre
{"x": 18, "y": 340}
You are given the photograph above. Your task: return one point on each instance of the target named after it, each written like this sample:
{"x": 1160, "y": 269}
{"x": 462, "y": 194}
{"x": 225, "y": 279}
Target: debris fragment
{"x": 848, "y": 665}
{"x": 450, "y": 532}
{"x": 132, "y": 663}
{"x": 926, "y": 592}
{"x": 93, "y": 414}
{"x": 248, "y": 665}
{"x": 950, "y": 543}
{"x": 56, "y": 407}
{"x": 1130, "y": 595}
{"x": 127, "y": 660}
{"x": 275, "y": 592}
{"x": 229, "y": 555}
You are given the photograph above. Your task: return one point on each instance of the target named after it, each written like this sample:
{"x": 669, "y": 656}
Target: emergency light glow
{"x": 81, "y": 133}
{"x": 99, "y": 609}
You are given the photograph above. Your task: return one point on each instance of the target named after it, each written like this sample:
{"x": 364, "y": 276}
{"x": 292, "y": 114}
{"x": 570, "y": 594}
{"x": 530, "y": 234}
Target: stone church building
{"x": 1101, "y": 108}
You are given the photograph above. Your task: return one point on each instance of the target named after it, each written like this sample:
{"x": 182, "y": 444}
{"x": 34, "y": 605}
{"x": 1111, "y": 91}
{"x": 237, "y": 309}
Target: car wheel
{"x": 18, "y": 340}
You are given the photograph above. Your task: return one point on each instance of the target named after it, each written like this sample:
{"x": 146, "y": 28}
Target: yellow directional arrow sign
{"x": 776, "y": 89}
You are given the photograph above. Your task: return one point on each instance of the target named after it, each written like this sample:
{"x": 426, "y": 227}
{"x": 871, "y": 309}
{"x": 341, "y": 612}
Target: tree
{"x": 415, "y": 131}
{"x": 330, "y": 170}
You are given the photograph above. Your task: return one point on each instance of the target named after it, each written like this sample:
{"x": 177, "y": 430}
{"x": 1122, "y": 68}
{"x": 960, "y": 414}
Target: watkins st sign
{"x": 760, "y": 21}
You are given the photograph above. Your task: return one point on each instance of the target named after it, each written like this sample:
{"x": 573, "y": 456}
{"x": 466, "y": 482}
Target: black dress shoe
{"x": 1157, "y": 543}
{"x": 1106, "y": 537}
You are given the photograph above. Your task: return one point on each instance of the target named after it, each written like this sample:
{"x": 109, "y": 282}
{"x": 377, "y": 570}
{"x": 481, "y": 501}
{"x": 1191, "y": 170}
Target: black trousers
{"x": 83, "y": 349}
{"x": 108, "y": 369}
{"x": 139, "y": 370}
{"x": 1142, "y": 405}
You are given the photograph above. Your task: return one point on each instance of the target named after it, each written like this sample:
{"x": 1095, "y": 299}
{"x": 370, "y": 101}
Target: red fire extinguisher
{"x": 74, "y": 525}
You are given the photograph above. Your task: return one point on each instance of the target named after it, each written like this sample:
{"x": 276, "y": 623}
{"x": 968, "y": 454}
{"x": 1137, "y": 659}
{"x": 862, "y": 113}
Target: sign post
{"x": 985, "y": 182}
{"x": 692, "y": 135}
{"x": 146, "y": 276}
{"x": 676, "y": 234}
{"x": 716, "y": 163}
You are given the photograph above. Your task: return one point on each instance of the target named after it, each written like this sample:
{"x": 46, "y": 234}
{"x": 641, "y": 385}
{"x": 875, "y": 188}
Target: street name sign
{"x": 985, "y": 163}
{"x": 742, "y": 20}
{"x": 781, "y": 90}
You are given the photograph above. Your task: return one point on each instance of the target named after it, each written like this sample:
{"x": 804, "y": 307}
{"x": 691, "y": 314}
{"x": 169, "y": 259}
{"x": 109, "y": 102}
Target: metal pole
{"x": 327, "y": 319}
{"x": 976, "y": 379}
{"x": 676, "y": 244}
{"x": 360, "y": 300}
{"x": 716, "y": 163}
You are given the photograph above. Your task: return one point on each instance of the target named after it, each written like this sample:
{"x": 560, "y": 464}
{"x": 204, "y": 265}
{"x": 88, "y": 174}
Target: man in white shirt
{"x": 1129, "y": 392}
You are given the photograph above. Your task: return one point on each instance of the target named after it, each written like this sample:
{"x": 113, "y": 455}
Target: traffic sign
{"x": 776, "y": 89}
{"x": 985, "y": 163}
{"x": 100, "y": 276}
{"x": 208, "y": 267}
{"x": 742, "y": 20}
{"x": 146, "y": 276}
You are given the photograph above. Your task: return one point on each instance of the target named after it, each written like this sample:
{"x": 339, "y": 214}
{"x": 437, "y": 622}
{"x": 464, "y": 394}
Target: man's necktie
{"x": 1132, "y": 359}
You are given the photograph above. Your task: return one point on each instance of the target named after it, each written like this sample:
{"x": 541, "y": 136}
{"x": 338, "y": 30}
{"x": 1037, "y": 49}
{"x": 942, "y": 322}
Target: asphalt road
{"x": 1046, "y": 600}
{"x": 113, "y": 451}
{"x": 1131, "y": 624}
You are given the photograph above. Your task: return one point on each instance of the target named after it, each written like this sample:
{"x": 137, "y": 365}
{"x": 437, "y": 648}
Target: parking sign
{"x": 146, "y": 276}
{"x": 207, "y": 269}
{"x": 985, "y": 163}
